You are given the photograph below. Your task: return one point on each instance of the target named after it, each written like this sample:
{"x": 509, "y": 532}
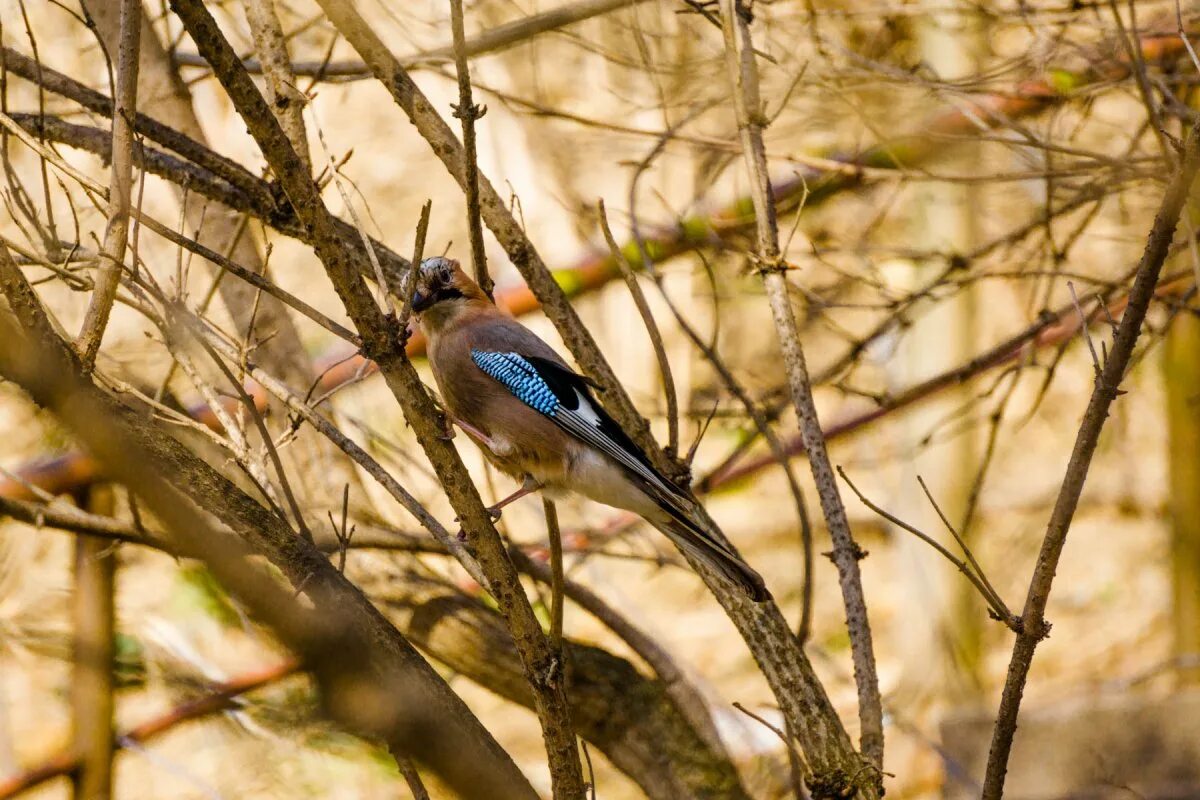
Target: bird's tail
{"x": 692, "y": 539}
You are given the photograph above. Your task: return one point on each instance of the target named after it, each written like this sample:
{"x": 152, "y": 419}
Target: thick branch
{"x": 372, "y": 679}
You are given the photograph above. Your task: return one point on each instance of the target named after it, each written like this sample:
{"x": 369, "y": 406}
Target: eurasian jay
{"x": 536, "y": 420}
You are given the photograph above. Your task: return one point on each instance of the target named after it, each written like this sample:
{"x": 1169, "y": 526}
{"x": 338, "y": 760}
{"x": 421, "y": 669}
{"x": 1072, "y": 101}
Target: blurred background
{"x": 959, "y": 184}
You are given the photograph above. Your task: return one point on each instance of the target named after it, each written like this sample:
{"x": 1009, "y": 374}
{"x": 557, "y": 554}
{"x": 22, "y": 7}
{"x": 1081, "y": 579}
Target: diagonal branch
{"x": 1034, "y": 627}
{"x": 372, "y": 679}
{"x": 498, "y": 218}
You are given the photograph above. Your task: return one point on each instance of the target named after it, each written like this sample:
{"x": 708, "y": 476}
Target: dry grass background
{"x": 1111, "y": 606}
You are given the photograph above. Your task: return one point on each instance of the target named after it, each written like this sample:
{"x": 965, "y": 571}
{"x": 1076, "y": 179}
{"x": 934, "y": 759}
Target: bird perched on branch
{"x": 536, "y": 419}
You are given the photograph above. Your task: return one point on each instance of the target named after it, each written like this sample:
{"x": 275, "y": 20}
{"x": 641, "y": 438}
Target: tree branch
{"x": 1034, "y": 626}
{"x": 372, "y": 679}
{"x": 112, "y": 254}
{"x": 743, "y": 77}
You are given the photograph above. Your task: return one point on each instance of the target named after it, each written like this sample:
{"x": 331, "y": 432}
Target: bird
{"x": 537, "y": 420}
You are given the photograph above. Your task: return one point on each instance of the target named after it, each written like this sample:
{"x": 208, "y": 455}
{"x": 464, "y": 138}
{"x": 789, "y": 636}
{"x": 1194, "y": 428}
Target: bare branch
{"x": 656, "y": 340}
{"x": 995, "y": 603}
{"x": 468, "y": 112}
{"x": 283, "y": 97}
{"x": 1034, "y": 627}
{"x": 743, "y": 77}
{"x": 112, "y": 256}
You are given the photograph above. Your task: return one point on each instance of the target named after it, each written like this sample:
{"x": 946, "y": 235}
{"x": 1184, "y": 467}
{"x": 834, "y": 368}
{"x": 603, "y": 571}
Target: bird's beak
{"x": 421, "y": 301}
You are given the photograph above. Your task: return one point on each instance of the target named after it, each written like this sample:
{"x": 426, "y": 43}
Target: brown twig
{"x": 410, "y": 287}
{"x": 743, "y": 77}
{"x": 795, "y": 757}
{"x": 413, "y": 778}
{"x": 656, "y": 340}
{"x": 554, "y": 534}
{"x": 1034, "y": 627}
{"x": 221, "y": 697}
{"x": 468, "y": 113}
{"x": 994, "y": 602}
{"x": 112, "y": 255}
{"x": 283, "y": 97}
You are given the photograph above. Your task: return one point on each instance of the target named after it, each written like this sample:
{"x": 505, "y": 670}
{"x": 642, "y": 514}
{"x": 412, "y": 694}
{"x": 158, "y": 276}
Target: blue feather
{"x": 520, "y": 377}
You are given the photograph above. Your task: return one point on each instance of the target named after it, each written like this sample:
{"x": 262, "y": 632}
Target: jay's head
{"x": 443, "y": 292}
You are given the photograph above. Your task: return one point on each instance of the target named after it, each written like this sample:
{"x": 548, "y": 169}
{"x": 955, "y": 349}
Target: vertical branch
{"x": 92, "y": 676}
{"x": 1181, "y": 380}
{"x": 283, "y": 97}
{"x": 468, "y": 112}
{"x": 743, "y": 76}
{"x": 112, "y": 254}
{"x": 1034, "y": 627}
{"x": 554, "y": 534}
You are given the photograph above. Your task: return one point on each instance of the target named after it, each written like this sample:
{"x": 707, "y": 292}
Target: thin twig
{"x": 794, "y": 755}
{"x": 962, "y": 544}
{"x": 656, "y": 340}
{"x": 995, "y": 604}
{"x": 556, "y": 572}
{"x": 385, "y": 291}
{"x": 410, "y": 286}
{"x": 468, "y": 112}
{"x": 1083, "y": 328}
{"x": 1034, "y": 627}
{"x": 413, "y": 778}
{"x": 112, "y": 255}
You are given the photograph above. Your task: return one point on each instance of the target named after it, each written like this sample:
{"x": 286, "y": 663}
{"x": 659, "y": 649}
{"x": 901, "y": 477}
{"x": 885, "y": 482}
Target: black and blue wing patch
{"x": 520, "y": 377}
{"x": 555, "y": 391}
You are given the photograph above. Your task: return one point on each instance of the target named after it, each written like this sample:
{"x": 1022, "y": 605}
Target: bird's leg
{"x": 527, "y": 487}
{"x": 471, "y": 430}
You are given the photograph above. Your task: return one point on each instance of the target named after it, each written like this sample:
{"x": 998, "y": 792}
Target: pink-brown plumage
{"x": 578, "y": 448}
